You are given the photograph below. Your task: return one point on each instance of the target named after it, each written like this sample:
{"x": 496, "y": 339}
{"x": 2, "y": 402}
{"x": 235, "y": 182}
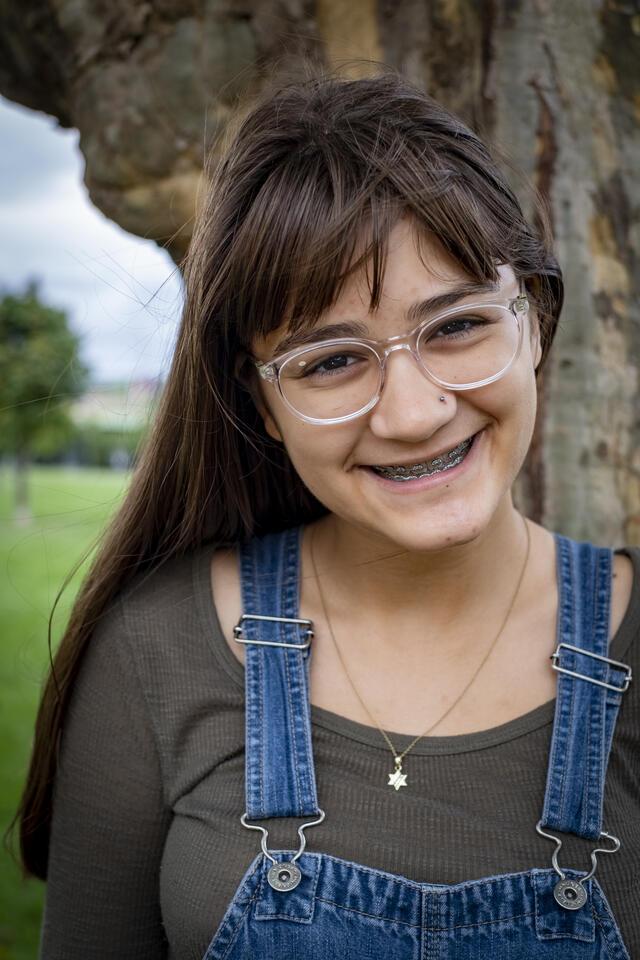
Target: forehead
{"x": 417, "y": 268}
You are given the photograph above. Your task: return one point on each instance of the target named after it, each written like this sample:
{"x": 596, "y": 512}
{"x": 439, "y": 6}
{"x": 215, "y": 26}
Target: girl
{"x": 326, "y": 691}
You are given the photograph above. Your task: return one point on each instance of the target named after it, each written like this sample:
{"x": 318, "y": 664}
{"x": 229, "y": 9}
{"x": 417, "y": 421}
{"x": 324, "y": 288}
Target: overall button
{"x": 570, "y": 894}
{"x": 284, "y": 876}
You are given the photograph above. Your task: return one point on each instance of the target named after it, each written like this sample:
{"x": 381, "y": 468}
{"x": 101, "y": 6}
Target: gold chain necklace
{"x": 398, "y": 779}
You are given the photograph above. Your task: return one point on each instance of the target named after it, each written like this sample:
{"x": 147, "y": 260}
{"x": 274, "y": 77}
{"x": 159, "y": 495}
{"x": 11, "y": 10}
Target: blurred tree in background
{"x": 40, "y": 373}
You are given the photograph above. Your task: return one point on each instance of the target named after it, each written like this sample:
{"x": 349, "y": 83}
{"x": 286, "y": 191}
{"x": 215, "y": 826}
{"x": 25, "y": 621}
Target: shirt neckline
{"x": 526, "y": 723}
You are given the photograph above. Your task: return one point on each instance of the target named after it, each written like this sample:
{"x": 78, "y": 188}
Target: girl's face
{"x": 409, "y": 423}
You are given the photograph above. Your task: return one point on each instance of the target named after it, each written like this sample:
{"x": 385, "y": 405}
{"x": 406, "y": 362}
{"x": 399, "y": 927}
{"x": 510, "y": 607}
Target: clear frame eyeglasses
{"x": 332, "y": 381}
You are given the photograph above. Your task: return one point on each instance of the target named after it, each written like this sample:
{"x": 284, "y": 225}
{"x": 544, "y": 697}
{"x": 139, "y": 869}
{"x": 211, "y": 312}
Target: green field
{"x": 69, "y": 507}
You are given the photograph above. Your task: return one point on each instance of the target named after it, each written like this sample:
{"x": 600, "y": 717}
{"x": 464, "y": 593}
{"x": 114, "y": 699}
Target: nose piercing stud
{"x": 442, "y": 398}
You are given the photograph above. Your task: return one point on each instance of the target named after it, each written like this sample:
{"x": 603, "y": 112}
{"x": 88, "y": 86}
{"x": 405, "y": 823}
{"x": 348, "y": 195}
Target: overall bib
{"x": 299, "y": 905}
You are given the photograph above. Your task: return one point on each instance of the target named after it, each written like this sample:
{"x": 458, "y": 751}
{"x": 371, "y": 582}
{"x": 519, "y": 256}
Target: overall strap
{"x": 589, "y": 690}
{"x": 279, "y": 771}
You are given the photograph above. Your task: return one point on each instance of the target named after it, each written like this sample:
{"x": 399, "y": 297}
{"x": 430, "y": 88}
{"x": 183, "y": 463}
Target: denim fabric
{"x": 280, "y": 777}
{"x": 344, "y": 909}
{"x": 585, "y": 712}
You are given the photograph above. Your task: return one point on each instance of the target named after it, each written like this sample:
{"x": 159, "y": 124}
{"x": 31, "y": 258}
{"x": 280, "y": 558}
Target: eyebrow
{"x": 415, "y": 313}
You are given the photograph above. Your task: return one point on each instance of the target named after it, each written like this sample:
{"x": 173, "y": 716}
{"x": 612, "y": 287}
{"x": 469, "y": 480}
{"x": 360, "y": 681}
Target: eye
{"x": 329, "y": 363}
{"x": 458, "y": 327}
{"x": 328, "y": 366}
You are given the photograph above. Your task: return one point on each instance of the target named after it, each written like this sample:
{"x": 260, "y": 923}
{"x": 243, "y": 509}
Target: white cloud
{"x": 123, "y": 294}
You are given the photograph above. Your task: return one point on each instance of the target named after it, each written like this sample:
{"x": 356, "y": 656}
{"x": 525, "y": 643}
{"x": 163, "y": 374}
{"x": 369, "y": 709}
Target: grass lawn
{"x": 70, "y": 507}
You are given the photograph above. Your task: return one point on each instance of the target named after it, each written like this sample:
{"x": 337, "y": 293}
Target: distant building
{"x": 110, "y": 420}
{"x": 115, "y": 407}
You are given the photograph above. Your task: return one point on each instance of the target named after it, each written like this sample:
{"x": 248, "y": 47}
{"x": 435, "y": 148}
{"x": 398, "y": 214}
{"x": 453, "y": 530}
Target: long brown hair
{"x": 307, "y": 172}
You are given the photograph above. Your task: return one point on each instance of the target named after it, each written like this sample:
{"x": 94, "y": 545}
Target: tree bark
{"x": 556, "y": 86}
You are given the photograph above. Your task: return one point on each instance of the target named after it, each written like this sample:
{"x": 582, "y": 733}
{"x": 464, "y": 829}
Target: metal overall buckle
{"x": 624, "y": 667}
{"x": 238, "y": 633}
{"x": 571, "y": 894}
{"x": 283, "y": 875}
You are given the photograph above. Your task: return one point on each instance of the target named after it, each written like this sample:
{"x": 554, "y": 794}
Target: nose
{"x": 409, "y": 407}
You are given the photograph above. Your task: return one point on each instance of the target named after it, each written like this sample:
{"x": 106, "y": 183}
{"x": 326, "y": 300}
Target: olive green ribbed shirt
{"x": 147, "y": 848}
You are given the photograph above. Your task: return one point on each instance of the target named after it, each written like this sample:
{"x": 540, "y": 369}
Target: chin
{"x": 431, "y": 533}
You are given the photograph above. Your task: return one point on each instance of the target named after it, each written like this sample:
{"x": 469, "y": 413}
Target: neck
{"x": 371, "y": 581}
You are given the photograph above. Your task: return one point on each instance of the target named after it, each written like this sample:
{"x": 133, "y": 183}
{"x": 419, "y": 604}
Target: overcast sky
{"x": 102, "y": 276}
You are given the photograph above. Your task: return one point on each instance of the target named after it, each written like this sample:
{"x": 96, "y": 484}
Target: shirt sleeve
{"x": 109, "y": 818}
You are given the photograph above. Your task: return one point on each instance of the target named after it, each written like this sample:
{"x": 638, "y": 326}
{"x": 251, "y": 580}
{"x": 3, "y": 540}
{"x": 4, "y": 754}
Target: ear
{"x": 268, "y": 419}
{"x": 536, "y": 347}
{"x": 248, "y": 377}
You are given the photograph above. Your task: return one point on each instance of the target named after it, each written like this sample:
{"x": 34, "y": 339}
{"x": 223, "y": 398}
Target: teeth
{"x": 444, "y": 462}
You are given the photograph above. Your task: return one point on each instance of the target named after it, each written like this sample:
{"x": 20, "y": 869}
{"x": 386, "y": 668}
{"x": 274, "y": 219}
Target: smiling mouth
{"x": 445, "y": 461}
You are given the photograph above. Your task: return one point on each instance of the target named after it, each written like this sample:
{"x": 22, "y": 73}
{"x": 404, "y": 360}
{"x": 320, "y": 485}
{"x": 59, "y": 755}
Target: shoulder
{"x": 626, "y": 564}
{"x": 625, "y": 645}
{"x": 163, "y": 591}
{"x": 626, "y": 572}
{"x": 626, "y": 567}
{"x": 625, "y": 602}
{"x": 227, "y": 594}
{"x": 624, "y": 621}
{"x": 158, "y": 626}
{"x": 149, "y": 605}
{"x": 164, "y": 606}
{"x": 161, "y": 633}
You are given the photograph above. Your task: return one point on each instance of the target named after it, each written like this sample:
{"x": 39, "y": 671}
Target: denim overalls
{"x": 296, "y": 905}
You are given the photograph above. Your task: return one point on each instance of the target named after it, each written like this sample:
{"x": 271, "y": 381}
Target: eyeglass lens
{"x": 327, "y": 382}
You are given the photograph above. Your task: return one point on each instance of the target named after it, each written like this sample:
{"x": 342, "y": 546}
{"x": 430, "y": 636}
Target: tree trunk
{"x": 555, "y": 85}
{"x": 22, "y": 509}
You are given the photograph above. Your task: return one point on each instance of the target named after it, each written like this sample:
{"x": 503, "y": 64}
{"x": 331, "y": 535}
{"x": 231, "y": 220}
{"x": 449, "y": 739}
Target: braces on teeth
{"x": 445, "y": 462}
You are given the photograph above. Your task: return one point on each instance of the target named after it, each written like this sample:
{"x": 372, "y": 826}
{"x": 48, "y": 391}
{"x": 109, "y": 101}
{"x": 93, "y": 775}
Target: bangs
{"x": 327, "y": 211}
{"x": 309, "y": 188}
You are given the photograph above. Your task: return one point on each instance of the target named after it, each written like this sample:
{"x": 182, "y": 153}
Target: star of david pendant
{"x": 397, "y": 779}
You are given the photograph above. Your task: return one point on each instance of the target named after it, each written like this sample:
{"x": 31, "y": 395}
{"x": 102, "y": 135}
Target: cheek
{"x": 313, "y": 449}
{"x": 511, "y": 404}
{"x": 527, "y": 390}
{"x": 519, "y": 411}
{"x": 320, "y": 455}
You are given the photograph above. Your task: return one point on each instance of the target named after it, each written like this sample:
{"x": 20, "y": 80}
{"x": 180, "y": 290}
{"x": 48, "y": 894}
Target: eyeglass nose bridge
{"x": 406, "y": 343}
{"x": 397, "y": 346}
